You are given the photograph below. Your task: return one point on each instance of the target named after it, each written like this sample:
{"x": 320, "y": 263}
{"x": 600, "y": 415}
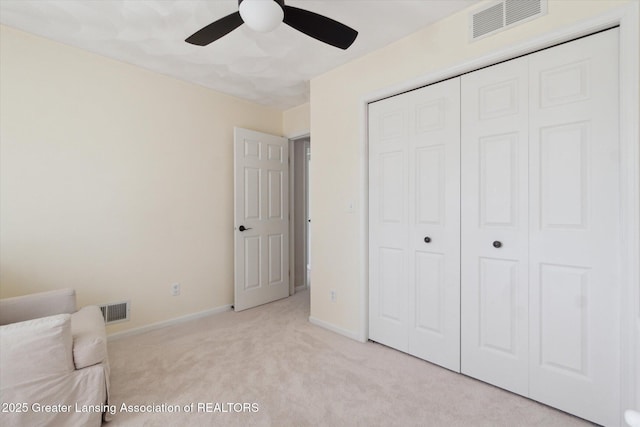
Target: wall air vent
{"x": 498, "y": 16}
{"x": 116, "y": 312}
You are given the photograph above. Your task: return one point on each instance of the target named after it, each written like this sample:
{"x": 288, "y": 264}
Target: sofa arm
{"x": 89, "y": 337}
{"x": 33, "y": 306}
{"x": 35, "y": 350}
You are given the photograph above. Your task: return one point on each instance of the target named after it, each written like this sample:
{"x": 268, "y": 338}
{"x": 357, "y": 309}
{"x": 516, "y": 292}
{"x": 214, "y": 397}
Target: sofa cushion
{"x": 89, "y": 337}
{"x": 34, "y": 306}
{"x": 39, "y": 347}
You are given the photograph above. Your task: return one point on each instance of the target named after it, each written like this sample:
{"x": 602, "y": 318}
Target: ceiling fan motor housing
{"x": 262, "y": 15}
{"x": 280, "y": 2}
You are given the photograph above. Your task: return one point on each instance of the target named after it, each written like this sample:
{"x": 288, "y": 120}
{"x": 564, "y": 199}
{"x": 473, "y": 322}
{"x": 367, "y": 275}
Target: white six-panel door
{"x": 389, "y": 222}
{"x": 574, "y": 231}
{"x": 494, "y": 270}
{"x": 540, "y": 313}
{"x": 261, "y": 218}
{"x": 540, "y": 239}
{"x": 434, "y": 224}
{"x": 414, "y": 223}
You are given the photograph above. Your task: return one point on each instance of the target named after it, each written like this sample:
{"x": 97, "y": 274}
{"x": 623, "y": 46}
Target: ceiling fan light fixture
{"x": 261, "y": 15}
{"x": 266, "y": 15}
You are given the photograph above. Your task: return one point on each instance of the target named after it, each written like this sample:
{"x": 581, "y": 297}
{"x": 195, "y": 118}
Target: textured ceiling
{"x": 268, "y": 68}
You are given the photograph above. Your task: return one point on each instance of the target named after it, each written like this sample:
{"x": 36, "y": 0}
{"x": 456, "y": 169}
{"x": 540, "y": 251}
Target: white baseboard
{"x": 301, "y": 288}
{"x": 170, "y": 322}
{"x": 334, "y": 328}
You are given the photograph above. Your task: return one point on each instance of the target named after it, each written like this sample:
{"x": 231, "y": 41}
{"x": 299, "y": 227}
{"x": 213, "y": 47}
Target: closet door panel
{"x": 494, "y": 270}
{"x": 575, "y": 235}
{"x": 494, "y": 233}
{"x": 388, "y": 222}
{"x": 434, "y": 223}
{"x": 414, "y": 206}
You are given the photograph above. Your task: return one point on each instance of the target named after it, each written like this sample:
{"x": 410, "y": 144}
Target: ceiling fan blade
{"x": 215, "y": 30}
{"x": 320, "y": 27}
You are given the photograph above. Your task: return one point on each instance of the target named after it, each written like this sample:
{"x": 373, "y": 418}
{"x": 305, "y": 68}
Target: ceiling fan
{"x": 266, "y": 15}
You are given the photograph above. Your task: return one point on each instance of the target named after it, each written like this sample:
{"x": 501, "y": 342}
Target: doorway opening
{"x": 300, "y": 224}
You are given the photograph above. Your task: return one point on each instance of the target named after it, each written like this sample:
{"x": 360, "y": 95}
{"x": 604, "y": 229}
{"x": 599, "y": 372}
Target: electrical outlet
{"x": 175, "y": 289}
{"x": 333, "y": 295}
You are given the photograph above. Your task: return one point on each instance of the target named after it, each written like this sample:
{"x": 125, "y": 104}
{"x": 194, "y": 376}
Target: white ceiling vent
{"x": 498, "y": 16}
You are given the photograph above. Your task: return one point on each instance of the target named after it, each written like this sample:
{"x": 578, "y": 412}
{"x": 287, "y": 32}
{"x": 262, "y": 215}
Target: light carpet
{"x": 289, "y": 372}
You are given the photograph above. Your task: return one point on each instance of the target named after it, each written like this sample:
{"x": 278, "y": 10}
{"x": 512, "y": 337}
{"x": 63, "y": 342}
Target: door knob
{"x": 427, "y": 239}
{"x": 497, "y": 244}
{"x": 243, "y": 228}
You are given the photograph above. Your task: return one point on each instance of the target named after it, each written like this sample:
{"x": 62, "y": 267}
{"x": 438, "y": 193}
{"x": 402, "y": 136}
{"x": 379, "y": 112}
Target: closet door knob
{"x": 243, "y": 228}
{"x": 427, "y": 239}
{"x": 497, "y": 244}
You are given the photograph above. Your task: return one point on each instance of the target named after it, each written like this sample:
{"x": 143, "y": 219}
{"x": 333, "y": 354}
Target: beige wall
{"x": 337, "y": 173}
{"x": 115, "y": 181}
{"x": 296, "y": 121}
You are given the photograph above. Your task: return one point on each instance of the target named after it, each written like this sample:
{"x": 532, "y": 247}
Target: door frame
{"x": 626, "y": 18}
{"x": 294, "y": 139}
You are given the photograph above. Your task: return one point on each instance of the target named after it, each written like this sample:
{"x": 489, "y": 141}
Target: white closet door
{"x": 494, "y": 270}
{"x": 388, "y": 222}
{"x": 414, "y": 211}
{"x": 434, "y": 223}
{"x": 574, "y": 228}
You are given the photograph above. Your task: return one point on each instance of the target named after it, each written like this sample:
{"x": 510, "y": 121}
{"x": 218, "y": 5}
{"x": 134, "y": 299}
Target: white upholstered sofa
{"x": 54, "y": 369}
